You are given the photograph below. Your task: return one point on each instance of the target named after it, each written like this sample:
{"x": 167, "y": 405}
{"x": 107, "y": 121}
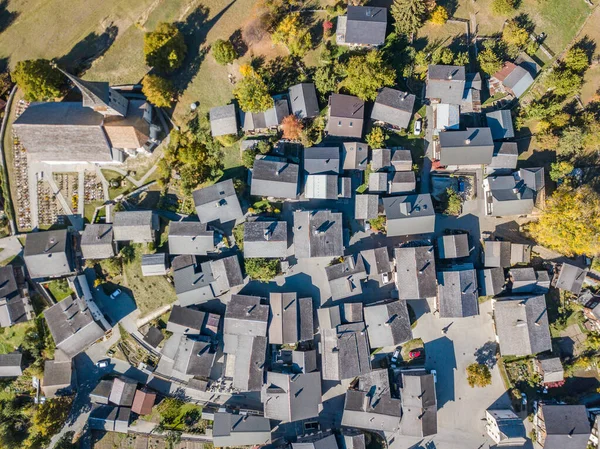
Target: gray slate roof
{"x": 318, "y": 233}
{"x": 123, "y": 391}
{"x": 48, "y": 254}
{"x": 366, "y": 206}
{"x": 223, "y": 120}
{"x": 501, "y": 124}
{"x": 533, "y": 177}
{"x": 446, "y": 83}
{"x": 366, "y": 25}
{"x": 378, "y": 182}
{"x": 409, "y": 215}
{"x": 346, "y": 116}
{"x": 345, "y": 351}
{"x": 193, "y": 286}
{"x": 567, "y": 426}
{"x": 551, "y": 369}
{"x": 135, "y": 226}
{"x": 345, "y": 277}
{"x": 402, "y": 182}
{"x": 355, "y": 155}
{"x": 318, "y": 442}
{"x": 14, "y": 308}
{"x": 324, "y": 187}
{"x": 381, "y": 159}
{"x": 393, "y": 107}
{"x": 218, "y": 202}
{"x": 473, "y": 146}
{"x": 518, "y": 81}
{"x": 10, "y": 364}
{"x": 505, "y": 157}
{"x": 154, "y": 264}
{"x": 291, "y": 397}
{"x": 291, "y": 319}
{"x": 240, "y": 430}
{"x": 97, "y": 241}
{"x": 497, "y": 253}
{"x": 271, "y": 118}
{"x": 303, "y": 99}
{"x": 185, "y": 321}
{"x": 272, "y": 178}
{"x": 377, "y": 260}
{"x": 490, "y": 281}
{"x": 415, "y": 272}
{"x": 509, "y": 196}
{"x": 245, "y": 315}
{"x": 190, "y": 237}
{"x": 363, "y": 412}
{"x": 388, "y": 324}
{"x": 249, "y": 363}
{"x": 522, "y": 325}
{"x": 457, "y": 293}
{"x": 265, "y": 239}
{"x": 321, "y": 160}
{"x": 419, "y": 405}
{"x": 571, "y": 278}
{"x": 57, "y": 374}
{"x": 401, "y": 159}
{"x": 453, "y": 246}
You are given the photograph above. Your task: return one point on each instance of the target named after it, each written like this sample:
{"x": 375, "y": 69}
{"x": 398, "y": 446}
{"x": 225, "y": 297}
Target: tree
{"x": 158, "y": 90}
{"x": 248, "y": 157}
{"x": 559, "y": 170}
{"x": 409, "y": 15}
{"x": 453, "y": 202}
{"x": 503, "y": 7}
{"x": 292, "y": 127}
{"x": 565, "y": 82}
{"x": 223, "y": 52}
{"x": 570, "y": 224}
{"x": 264, "y": 146}
{"x": 327, "y": 79}
{"x": 262, "y": 270}
{"x": 489, "y": 61}
{"x": 439, "y": 16}
{"x": 366, "y": 74}
{"x": 164, "y": 48}
{"x": 327, "y": 28}
{"x": 294, "y": 34}
{"x": 571, "y": 141}
{"x": 376, "y": 138}
{"x": 478, "y": 375}
{"x": 252, "y": 94}
{"x": 515, "y": 34}
{"x": 576, "y": 60}
{"x": 38, "y": 80}
{"x": 50, "y": 416}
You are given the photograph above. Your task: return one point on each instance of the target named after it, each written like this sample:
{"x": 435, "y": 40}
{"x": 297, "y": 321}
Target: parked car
{"x": 395, "y": 356}
{"x": 523, "y": 399}
{"x": 385, "y": 277}
{"x": 102, "y": 363}
{"x": 115, "y": 294}
{"x": 415, "y": 353}
{"x": 417, "y": 128}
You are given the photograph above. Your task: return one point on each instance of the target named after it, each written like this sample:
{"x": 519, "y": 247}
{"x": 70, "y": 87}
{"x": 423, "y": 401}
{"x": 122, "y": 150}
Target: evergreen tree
{"x": 409, "y": 15}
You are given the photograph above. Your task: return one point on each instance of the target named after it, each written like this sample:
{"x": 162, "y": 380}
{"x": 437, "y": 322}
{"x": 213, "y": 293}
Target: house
{"x": 366, "y": 207}
{"x": 218, "y": 202}
{"x": 320, "y": 160}
{"x": 511, "y": 79}
{"x": 345, "y": 278}
{"x": 378, "y": 182}
{"x": 474, "y": 146}
{"x": 490, "y": 281}
{"x": 303, "y": 100}
{"x": 345, "y": 116}
{"x": 240, "y": 430}
{"x": 323, "y": 187}
{"x": 317, "y": 441}
{"x": 353, "y": 312}
{"x": 227, "y": 274}
{"x": 402, "y": 160}
{"x": 471, "y": 101}
{"x": 419, "y": 404}
{"x": 507, "y": 196}
{"x": 72, "y": 325}
{"x": 415, "y": 272}
{"x": 570, "y": 278}
{"x": 520, "y": 253}
{"x": 355, "y": 156}
{"x": 388, "y": 324}
{"x": 458, "y": 296}
{"x": 318, "y": 233}
{"x": 353, "y": 439}
{"x": 446, "y": 117}
{"x": 254, "y": 122}
{"x": 561, "y": 426}
{"x": 345, "y": 351}
{"x": 497, "y": 253}
{"x": 15, "y": 306}
{"x": 381, "y": 159}
{"x": 393, "y": 107}
{"x": 135, "y": 226}
{"x": 245, "y": 337}
{"x": 291, "y": 319}
{"x": 122, "y": 391}
{"x": 377, "y": 261}
{"x": 453, "y": 246}
{"x": 184, "y": 320}
{"x": 154, "y": 337}
{"x": 101, "y": 392}
{"x": 100, "y": 129}
{"x": 143, "y": 402}
{"x": 551, "y": 370}
{"x": 528, "y": 280}
{"x": 533, "y": 177}
{"x": 48, "y": 254}
{"x": 363, "y": 26}
{"x": 223, "y": 120}
{"x": 11, "y": 365}
{"x": 97, "y": 241}
{"x": 402, "y": 182}
{"x": 505, "y": 427}
{"x": 292, "y": 397}
{"x": 504, "y": 159}
{"x": 500, "y": 124}
{"x": 185, "y": 357}
{"x": 409, "y": 215}
{"x": 59, "y": 378}
{"x": 154, "y": 264}
{"x": 377, "y": 413}
{"x": 522, "y": 325}
{"x": 345, "y": 187}
{"x": 190, "y": 237}
{"x": 329, "y": 317}
{"x": 295, "y": 361}
{"x": 102, "y": 417}
{"x": 445, "y": 83}
{"x": 267, "y": 239}
{"x": 274, "y": 178}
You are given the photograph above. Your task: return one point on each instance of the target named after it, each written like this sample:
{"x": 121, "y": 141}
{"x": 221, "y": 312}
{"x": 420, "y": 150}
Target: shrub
{"x": 376, "y": 138}
{"x": 262, "y": 270}
{"x": 223, "y": 52}
{"x": 227, "y": 140}
{"x": 453, "y": 202}
{"x": 248, "y": 157}
{"x": 503, "y": 7}
{"x": 478, "y": 375}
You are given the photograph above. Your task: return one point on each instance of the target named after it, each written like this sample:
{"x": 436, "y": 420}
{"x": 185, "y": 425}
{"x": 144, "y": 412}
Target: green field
{"x": 59, "y": 289}
{"x": 12, "y": 337}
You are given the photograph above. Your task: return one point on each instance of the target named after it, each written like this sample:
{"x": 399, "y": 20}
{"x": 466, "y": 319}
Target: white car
{"x": 417, "y": 127}
{"x": 395, "y": 356}
{"x": 102, "y": 363}
{"x": 385, "y": 277}
{"x": 115, "y": 294}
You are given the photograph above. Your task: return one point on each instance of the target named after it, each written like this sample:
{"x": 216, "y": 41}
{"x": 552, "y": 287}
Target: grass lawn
{"x": 89, "y": 209}
{"x": 59, "y": 289}
{"x": 126, "y": 186}
{"x": 150, "y": 292}
{"x": 449, "y": 35}
{"x": 12, "y": 337}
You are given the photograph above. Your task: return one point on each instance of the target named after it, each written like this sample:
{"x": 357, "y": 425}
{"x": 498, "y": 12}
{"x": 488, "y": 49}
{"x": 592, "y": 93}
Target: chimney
{"x": 449, "y": 75}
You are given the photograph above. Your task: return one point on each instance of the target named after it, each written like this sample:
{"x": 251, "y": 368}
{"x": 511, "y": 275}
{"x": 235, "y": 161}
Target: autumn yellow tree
{"x": 292, "y": 127}
{"x": 570, "y": 223}
{"x": 294, "y": 34}
{"x": 439, "y": 16}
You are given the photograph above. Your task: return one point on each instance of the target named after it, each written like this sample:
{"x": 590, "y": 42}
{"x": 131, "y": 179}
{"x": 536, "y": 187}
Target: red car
{"x": 415, "y": 354}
